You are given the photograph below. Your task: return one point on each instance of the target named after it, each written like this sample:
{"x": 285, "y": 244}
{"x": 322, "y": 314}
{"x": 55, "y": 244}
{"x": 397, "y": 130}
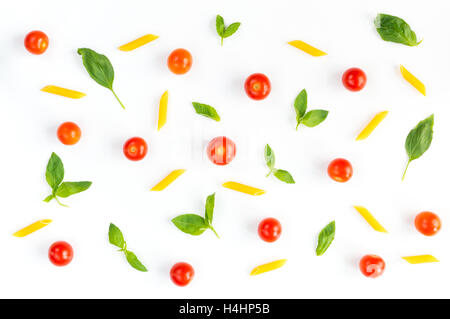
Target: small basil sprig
{"x": 395, "y": 29}
{"x": 282, "y": 175}
{"x": 419, "y": 140}
{"x": 194, "y": 224}
{"x": 206, "y": 110}
{"x": 99, "y": 68}
{"x": 326, "y": 237}
{"x": 116, "y": 238}
{"x": 310, "y": 119}
{"x": 225, "y": 32}
{"x": 54, "y": 175}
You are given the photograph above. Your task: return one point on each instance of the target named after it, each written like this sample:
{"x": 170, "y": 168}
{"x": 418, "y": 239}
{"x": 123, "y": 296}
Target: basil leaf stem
{"x": 225, "y": 32}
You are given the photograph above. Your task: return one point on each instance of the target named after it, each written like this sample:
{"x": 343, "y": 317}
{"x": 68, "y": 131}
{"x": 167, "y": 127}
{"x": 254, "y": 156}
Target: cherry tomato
{"x": 269, "y": 229}
{"x": 69, "y": 133}
{"x": 354, "y": 79}
{"x": 221, "y": 150}
{"x": 36, "y": 42}
{"x": 60, "y": 253}
{"x": 257, "y": 86}
{"x": 135, "y": 148}
{"x": 179, "y": 61}
{"x": 428, "y": 223}
{"x": 372, "y": 266}
{"x": 340, "y": 170}
{"x": 182, "y": 274}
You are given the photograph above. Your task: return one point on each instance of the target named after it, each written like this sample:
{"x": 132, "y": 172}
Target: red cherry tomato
{"x": 60, "y": 253}
{"x": 257, "y": 86}
{"x": 340, "y": 170}
{"x": 354, "y": 79}
{"x": 135, "y": 148}
{"x": 372, "y": 266}
{"x": 182, "y": 274}
{"x": 428, "y": 223}
{"x": 221, "y": 150}
{"x": 36, "y": 42}
{"x": 69, "y": 133}
{"x": 179, "y": 61}
{"x": 269, "y": 229}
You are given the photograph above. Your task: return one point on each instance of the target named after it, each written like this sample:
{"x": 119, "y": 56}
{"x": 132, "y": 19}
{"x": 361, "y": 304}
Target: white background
{"x": 120, "y": 191}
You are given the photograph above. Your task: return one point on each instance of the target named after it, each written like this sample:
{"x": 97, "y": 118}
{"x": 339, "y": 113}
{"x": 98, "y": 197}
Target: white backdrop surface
{"x": 120, "y": 191}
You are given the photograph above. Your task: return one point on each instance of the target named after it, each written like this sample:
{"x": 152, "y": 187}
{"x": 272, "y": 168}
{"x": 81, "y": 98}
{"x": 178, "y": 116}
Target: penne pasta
{"x": 162, "y": 114}
{"x": 408, "y": 76}
{"x": 376, "y": 120}
{"x": 244, "y": 188}
{"x": 305, "y": 47}
{"x": 268, "y": 267}
{"x": 169, "y": 179}
{"x": 420, "y": 259}
{"x": 53, "y": 89}
{"x": 130, "y": 46}
{"x": 370, "y": 219}
{"x": 32, "y": 228}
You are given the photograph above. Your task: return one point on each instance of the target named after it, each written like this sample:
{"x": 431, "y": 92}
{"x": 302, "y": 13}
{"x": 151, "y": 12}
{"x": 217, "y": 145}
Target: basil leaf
{"x": 69, "y": 188}
{"x": 206, "y": 110}
{"x": 231, "y": 29}
{"x": 116, "y": 236}
{"x": 326, "y": 237}
{"x": 209, "y": 208}
{"x": 300, "y": 105}
{"x": 314, "y": 117}
{"x": 395, "y": 29}
{"x": 48, "y": 198}
{"x": 220, "y": 25}
{"x": 269, "y": 155}
{"x": 134, "y": 261}
{"x": 284, "y": 176}
{"x": 419, "y": 140}
{"x": 54, "y": 173}
{"x": 99, "y": 68}
{"x": 190, "y": 224}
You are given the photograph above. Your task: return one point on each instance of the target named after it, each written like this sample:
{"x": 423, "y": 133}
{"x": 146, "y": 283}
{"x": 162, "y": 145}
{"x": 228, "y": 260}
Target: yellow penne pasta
{"x": 63, "y": 92}
{"x": 244, "y": 188}
{"x": 32, "y": 228}
{"x": 370, "y": 219}
{"x": 421, "y": 259}
{"x": 162, "y": 114}
{"x": 408, "y": 76}
{"x": 138, "y": 42}
{"x": 305, "y": 47}
{"x": 371, "y": 126}
{"x": 169, "y": 179}
{"x": 268, "y": 267}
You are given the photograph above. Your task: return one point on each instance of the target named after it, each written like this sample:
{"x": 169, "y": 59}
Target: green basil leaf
{"x": 395, "y": 29}
{"x": 284, "y": 176}
{"x": 300, "y": 105}
{"x": 99, "y": 68}
{"x": 209, "y": 208}
{"x": 419, "y": 140}
{"x": 134, "y": 261}
{"x": 54, "y": 173}
{"x": 69, "y": 188}
{"x": 220, "y": 25}
{"x": 231, "y": 29}
{"x": 314, "y": 117}
{"x": 326, "y": 237}
{"x": 49, "y": 198}
{"x": 269, "y": 155}
{"x": 206, "y": 110}
{"x": 190, "y": 224}
{"x": 116, "y": 236}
